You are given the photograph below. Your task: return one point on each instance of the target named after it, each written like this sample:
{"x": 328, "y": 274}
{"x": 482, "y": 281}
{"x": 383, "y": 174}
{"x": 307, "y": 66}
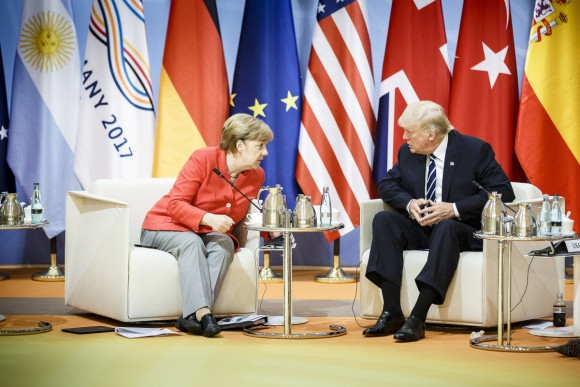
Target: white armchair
{"x": 107, "y": 275}
{"x": 472, "y": 295}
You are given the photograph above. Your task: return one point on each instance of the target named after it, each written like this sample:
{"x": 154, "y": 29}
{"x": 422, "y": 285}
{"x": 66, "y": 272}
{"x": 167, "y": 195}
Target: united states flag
{"x": 336, "y": 142}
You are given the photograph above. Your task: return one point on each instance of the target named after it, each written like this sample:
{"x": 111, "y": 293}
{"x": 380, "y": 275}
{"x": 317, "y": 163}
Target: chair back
{"x": 526, "y": 191}
{"x": 139, "y": 194}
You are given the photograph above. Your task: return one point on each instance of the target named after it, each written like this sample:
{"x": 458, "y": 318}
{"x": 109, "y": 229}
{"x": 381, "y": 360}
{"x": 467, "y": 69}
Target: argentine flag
{"x": 44, "y": 108}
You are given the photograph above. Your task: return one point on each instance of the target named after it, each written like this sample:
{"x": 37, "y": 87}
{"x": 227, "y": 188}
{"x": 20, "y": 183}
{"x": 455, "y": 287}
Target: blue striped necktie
{"x": 431, "y": 180}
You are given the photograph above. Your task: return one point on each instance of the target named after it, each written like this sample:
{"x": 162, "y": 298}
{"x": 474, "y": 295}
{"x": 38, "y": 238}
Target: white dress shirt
{"x": 439, "y": 154}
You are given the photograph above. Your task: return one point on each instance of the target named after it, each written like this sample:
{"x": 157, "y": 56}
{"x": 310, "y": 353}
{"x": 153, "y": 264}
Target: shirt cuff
{"x": 456, "y": 212}
{"x": 407, "y": 208}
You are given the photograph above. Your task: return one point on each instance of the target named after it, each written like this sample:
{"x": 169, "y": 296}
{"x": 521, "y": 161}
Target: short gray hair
{"x": 243, "y": 127}
{"x": 426, "y": 115}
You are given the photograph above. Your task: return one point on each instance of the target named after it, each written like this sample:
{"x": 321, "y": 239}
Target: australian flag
{"x": 6, "y": 176}
{"x": 267, "y": 85}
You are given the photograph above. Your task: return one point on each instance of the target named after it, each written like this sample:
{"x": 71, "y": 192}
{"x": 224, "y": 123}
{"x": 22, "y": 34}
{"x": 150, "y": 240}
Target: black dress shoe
{"x": 188, "y": 324}
{"x": 209, "y": 327}
{"x": 385, "y": 325}
{"x": 412, "y": 330}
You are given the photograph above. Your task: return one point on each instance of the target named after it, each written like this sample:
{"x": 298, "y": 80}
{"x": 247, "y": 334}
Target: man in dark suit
{"x": 439, "y": 208}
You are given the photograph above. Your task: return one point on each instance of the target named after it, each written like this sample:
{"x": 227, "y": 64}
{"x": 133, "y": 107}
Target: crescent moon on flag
{"x": 507, "y": 13}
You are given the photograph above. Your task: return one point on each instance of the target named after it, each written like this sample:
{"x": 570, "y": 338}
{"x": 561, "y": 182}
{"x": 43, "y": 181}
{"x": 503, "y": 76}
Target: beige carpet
{"x": 444, "y": 358}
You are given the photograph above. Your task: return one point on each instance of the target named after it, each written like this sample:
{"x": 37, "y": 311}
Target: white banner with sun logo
{"x": 44, "y": 107}
{"x": 117, "y": 120}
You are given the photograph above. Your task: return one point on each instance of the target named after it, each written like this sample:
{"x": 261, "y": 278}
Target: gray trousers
{"x": 202, "y": 260}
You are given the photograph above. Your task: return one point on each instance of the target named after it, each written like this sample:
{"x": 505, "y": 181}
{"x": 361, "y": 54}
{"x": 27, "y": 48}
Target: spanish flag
{"x": 548, "y": 132}
{"x": 193, "y": 91}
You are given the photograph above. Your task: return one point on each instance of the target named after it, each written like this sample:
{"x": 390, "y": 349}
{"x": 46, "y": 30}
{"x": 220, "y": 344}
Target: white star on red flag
{"x": 494, "y": 63}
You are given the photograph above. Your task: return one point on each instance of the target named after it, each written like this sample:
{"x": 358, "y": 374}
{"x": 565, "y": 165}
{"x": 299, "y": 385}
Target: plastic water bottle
{"x": 325, "y": 208}
{"x": 36, "y": 205}
{"x": 545, "y": 217}
{"x": 559, "y": 311}
{"x": 556, "y": 229}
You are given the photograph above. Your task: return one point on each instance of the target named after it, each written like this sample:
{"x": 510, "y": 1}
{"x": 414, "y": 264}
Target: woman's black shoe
{"x": 209, "y": 327}
{"x": 189, "y": 324}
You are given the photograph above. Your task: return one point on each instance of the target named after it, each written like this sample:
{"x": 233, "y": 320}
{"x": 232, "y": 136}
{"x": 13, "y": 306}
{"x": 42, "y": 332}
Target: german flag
{"x": 193, "y": 91}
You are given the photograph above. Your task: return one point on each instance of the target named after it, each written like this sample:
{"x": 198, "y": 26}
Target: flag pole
{"x": 53, "y": 273}
{"x": 336, "y": 274}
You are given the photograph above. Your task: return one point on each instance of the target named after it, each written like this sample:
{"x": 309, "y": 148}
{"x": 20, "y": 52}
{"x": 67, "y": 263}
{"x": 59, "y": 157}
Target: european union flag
{"x": 6, "y": 176}
{"x": 267, "y": 85}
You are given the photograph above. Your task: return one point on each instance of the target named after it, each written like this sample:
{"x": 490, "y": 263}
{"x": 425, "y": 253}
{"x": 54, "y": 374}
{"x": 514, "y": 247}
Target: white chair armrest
{"x": 525, "y": 191}
{"x": 96, "y": 253}
{"x": 368, "y": 210}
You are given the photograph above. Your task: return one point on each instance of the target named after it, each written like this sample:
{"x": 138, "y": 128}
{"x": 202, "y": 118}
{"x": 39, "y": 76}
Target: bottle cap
{"x": 559, "y": 295}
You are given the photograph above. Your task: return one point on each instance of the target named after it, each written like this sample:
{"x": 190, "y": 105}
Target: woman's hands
{"x": 218, "y": 223}
{"x": 223, "y": 223}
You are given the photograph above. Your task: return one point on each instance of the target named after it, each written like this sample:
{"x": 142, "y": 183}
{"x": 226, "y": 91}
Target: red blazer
{"x": 198, "y": 190}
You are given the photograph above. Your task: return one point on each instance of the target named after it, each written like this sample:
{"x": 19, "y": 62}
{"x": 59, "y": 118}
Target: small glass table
{"x": 505, "y": 242}
{"x": 22, "y": 226}
{"x": 336, "y": 330}
{"x": 42, "y": 325}
{"x": 54, "y": 273}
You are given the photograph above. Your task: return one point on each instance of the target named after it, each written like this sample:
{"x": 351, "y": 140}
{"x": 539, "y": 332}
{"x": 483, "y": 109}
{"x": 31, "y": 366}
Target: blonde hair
{"x": 426, "y": 115}
{"x": 243, "y": 127}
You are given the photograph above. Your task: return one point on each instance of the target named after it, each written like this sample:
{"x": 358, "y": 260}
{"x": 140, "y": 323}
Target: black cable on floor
{"x": 257, "y": 259}
{"x": 527, "y": 282}
{"x": 357, "y": 279}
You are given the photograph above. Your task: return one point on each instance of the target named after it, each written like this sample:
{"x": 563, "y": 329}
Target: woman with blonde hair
{"x": 195, "y": 220}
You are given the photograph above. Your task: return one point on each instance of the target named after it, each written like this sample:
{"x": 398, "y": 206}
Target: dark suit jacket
{"x": 467, "y": 159}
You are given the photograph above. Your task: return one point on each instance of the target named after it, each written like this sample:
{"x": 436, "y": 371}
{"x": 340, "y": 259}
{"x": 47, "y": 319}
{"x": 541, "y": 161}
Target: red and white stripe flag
{"x": 484, "y": 87}
{"x": 336, "y": 144}
{"x": 416, "y": 67}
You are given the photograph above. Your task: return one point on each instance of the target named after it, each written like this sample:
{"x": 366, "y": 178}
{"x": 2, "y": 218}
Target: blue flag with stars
{"x": 267, "y": 85}
{"x": 6, "y": 177}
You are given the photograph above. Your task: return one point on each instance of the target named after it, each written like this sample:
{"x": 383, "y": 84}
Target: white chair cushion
{"x": 154, "y": 290}
{"x": 467, "y": 283}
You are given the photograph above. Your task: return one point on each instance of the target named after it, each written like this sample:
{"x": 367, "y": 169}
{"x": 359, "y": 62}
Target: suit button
{"x": 228, "y": 205}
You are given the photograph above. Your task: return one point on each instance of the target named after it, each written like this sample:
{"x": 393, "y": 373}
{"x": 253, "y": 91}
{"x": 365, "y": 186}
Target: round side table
{"x": 336, "y": 330}
{"x": 505, "y": 243}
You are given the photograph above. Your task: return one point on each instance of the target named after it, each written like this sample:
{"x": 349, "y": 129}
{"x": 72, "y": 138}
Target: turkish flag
{"x": 484, "y": 87}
